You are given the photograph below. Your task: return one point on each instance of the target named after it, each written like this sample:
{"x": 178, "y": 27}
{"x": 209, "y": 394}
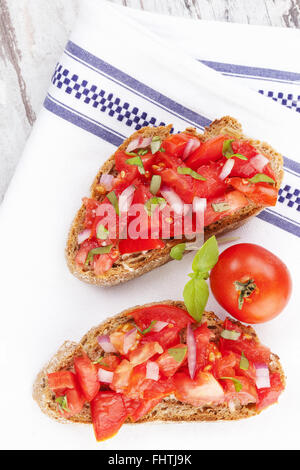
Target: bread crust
{"x": 140, "y": 263}
{"x": 169, "y": 409}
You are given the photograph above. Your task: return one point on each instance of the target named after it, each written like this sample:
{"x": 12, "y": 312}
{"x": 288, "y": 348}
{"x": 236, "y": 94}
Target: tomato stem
{"x": 245, "y": 289}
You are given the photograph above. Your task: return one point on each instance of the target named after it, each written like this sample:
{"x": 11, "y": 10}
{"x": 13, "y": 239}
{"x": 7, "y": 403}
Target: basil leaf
{"x": 142, "y": 152}
{"x": 114, "y": 201}
{"x": 220, "y": 206}
{"x": 195, "y": 296}
{"x": 102, "y": 232}
{"x": 207, "y": 256}
{"x": 177, "y": 251}
{"x": 99, "y": 361}
{"x": 184, "y": 170}
{"x": 152, "y": 203}
{"x": 62, "y": 403}
{"x": 238, "y": 155}
{"x": 97, "y": 251}
{"x": 155, "y": 144}
{"x": 155, "y": 184}
{"x": 261, "y": 178}
{"x": 138, "y": 162}
{"x": 230, "y": 334}
{"x": 177, "y": 353}
{"x": 244, "y": 363}
{"x": 237, "y": 384}
{"x": 147, "y": 330}
{"x": 227, "y": 148}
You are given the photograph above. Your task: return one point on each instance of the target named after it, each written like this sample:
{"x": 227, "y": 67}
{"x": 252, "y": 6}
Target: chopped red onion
{"x": 152, "y": 370}
{"x": 259, "y": 162}
{"x": 199, "y": 204}
{"x": 125, "y": 199}
{"x": 190, "y": 147}
{"x": 159, "y": 325}
{"x": 105, "y": 344}
{"x": 192, "y": 351}
{"x": 84, "y": 235}
{"x": 227, "y": 168}
{"x": 105, "y": 376}
{"x": 262, "y": 376}
{"x": 107, "y": 181}
{"x": 139, "y": 143}
{"x": 129, "y": 340}
{"x": 173, "y": 200}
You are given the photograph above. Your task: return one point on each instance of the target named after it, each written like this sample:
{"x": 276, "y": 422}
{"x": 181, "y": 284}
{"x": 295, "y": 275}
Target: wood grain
{"x": 33, "y": 34}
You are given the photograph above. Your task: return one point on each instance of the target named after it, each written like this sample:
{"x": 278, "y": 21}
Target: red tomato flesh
{"x": 87, "y": 375}
{"x": 108, "y": 414}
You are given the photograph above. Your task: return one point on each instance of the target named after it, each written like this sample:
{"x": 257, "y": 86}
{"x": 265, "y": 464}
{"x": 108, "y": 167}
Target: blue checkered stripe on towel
{"x": 289, "y": 100}
{"x": 104, "y": 100}
{"x": 290, "y": 197}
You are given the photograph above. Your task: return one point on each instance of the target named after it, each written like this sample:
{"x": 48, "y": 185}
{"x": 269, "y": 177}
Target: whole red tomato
{"x": 251, "y": 283}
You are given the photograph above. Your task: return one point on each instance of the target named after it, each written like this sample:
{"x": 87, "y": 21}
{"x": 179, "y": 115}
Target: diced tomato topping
{"x": 213, "y": 186}
{"x": 109, "y": 362}
{"x": 254, "y": 351}
{"x": 103, "y": 263}
{"x": 108, "y": 414}
{"x": 203, "y": 390}
{"x": 90, "y": 211}
{"x": 247, "y": 394}
{"x": 167, "y": 338}
{"x": 74, "y": 402}
{"x": 61, "y": 380}
{"x": 209, "y": 151}
{"x": 176, "y": 143}
{"x": 121, "y": 376}
{"x": 162, "y": 388}
{"x": 166, "y": 313}
{"x": 134, "y": 246}
{"x": 144, "y": 352}
{"x": 234, "y": 199}
{"x": 225, "y": 366}
{"x": 264, "y": 194}
{"x": 84, "y": 250}
{"x": 168, "y": 365}
{"x": 138, "y": 409}
{"x": 87, "y": 375}
{"x": 202, "y": 336}
{"x": 244, "y": 148}
{"x": 268, "y": 396}
{"x": 182, "y": 184}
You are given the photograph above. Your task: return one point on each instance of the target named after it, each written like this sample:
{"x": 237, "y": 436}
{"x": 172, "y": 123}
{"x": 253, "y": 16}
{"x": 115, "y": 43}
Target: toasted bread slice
{"x": 131, "y": 266}
{"x": 169, "y": 409}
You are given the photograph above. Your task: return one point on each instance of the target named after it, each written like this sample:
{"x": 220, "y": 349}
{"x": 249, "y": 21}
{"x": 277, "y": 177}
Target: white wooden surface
{"x": 33, "y": 34}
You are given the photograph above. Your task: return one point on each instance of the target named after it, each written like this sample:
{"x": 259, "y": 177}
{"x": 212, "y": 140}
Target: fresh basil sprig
{"x": 102, "y": 232}
{"x": 237, "y": 384}
{"x": 244, "y": 363}
{"x": 177, "y": 353}
{"x": 62, "y": 403}
{"x": 184, "y": 170}
{"x": 196, "y": 291}
{"x": 101, "y": 250}
{"x": 152, "y": 203}
{"x": 261, "y": 178}
{"x": 137, "y": 161}
{"x": 177, "y": 251}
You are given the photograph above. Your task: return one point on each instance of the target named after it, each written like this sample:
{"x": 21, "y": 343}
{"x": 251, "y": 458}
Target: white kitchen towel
{"x": 122, "y": 70}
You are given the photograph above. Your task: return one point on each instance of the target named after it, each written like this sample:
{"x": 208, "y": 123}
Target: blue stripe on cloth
{"x": 110, "y": 136}
{"x": 258, "y": 72}
{"x": 137, "y": 86}
{"x": 82, "y": 121}
{"x": 157, "y": 97}
{"x": 280, "y": 221}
